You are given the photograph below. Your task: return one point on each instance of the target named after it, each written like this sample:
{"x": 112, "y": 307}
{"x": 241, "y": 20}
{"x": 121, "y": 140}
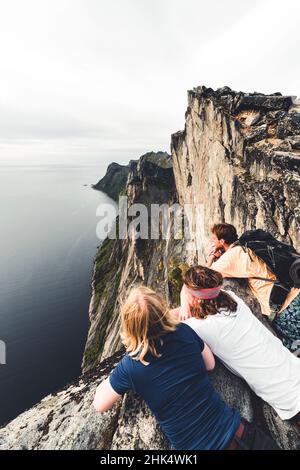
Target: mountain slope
{"x": 238, "y": 157}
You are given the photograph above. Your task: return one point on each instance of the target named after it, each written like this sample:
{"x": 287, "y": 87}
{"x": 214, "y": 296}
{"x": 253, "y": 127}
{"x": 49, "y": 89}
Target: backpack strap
{"x": 279, "y": 292}
{"x": 245, "y": 248}
{"x": 275, "y": 281}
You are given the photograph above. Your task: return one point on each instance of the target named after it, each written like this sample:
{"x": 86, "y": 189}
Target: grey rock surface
{"x": 238, "y": 156}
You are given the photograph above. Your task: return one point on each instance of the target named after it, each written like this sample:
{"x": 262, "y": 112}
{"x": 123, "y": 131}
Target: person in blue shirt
{"x": 166, "y": 363}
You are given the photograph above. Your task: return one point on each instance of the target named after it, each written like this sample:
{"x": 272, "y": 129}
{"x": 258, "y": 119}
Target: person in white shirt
{"x": 245, "y": 346}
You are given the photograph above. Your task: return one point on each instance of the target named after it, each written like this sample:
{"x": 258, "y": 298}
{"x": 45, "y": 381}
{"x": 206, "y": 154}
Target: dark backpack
{"x": 281, "y": 259}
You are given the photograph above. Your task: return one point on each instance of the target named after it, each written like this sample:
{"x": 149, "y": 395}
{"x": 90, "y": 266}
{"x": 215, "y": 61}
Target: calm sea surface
{"x": 47, "y": 244}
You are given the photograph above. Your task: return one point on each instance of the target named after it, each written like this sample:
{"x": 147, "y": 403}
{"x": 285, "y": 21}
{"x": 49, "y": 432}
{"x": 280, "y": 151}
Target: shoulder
{"x": 123, "y": 362}
{"x": 232, "y": 262}
{"x": 120, "y": 377}
{"x": 126, "y": 363}
{"x": 187, "y": 331}
{"x": 185, "y": 328}
{"x": 196, "y": 324}
{"x": 241, "y": 304}
{"x": 235, "y": 251}
{"x": 207, "y": 329}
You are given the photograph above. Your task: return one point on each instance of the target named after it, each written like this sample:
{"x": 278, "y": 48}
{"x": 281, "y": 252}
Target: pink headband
{"x": 210, "y": 293}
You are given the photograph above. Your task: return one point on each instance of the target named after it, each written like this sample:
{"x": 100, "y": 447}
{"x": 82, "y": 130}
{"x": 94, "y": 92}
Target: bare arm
{"x": 208, "y": 358}
{"x": 105, "y": 397}
{"x": 186, "y": 302}
{"x": 210, "y": 258}
{"x": 213, "y": 255}
{"x": 183, "y": 312}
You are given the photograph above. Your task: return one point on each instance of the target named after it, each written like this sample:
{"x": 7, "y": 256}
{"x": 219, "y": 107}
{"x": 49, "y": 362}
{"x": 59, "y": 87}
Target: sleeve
{"x": 194, "y": 333}
{"x": 223, "y": 265}
{"x": 206, "y": 332}
{"x": 119, "y": 378}
{"x": 234, "y": 263}
{"x": 201, "y": 343}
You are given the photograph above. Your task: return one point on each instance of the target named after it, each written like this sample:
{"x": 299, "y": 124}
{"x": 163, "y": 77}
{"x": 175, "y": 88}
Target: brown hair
{"x": 200, "y": 277}
{"x": 226, "y": 232}
{"x": 145, "y": 319}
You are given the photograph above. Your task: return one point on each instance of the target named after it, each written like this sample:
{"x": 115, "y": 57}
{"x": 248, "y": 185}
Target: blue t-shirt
{"x": 177, "y": 389}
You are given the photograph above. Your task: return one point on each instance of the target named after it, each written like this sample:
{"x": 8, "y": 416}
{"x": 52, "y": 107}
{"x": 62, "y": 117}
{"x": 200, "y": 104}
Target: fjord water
{"x": 47, "y": 244}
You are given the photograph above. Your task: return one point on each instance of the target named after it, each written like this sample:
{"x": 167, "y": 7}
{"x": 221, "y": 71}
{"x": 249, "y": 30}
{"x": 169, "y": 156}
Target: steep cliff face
{"x": 114, "y": 181}
{"x": 121, "y": 263}
{"x": 67, "y": 420}
{"x": 239, "y": 156}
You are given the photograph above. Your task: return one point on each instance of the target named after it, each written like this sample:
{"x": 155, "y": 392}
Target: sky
{"x": 95, "y": 81}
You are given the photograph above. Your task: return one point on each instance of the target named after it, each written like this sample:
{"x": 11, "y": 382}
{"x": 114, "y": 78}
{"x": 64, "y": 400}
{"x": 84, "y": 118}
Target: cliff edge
{"x": 238, "y": 156}
{"x": 113, "y": 182}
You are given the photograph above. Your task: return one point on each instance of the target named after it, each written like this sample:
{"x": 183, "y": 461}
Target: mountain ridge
{"x": 238, "y": 156}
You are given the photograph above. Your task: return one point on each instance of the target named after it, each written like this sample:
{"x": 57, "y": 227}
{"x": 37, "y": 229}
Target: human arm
{"x": 112, "y": 389}
{"x": 213, "y": 255}
{"x": 186, "y": 302}
{"x": 183, "y": 312}
{"x": 235, "y": 262}
{"x": 105, "y": 397}
{"x": 208, "y": 358}
{"x": 210, "y": 260}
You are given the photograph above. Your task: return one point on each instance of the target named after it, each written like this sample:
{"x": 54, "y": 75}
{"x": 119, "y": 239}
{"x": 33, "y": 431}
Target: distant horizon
{"x": 77, "y": 164}
{"x": 97, "y": 81}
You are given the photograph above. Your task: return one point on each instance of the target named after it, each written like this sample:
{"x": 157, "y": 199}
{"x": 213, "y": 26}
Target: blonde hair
{"x": 145, "y": 319}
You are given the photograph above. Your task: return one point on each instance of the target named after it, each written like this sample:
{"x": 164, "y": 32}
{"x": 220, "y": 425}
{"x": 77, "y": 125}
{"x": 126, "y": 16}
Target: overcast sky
{"x": 90, "y": 81}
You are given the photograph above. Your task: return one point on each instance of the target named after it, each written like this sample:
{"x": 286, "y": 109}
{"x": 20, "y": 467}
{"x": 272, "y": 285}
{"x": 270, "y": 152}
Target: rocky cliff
{"x": 239, "y": 157}
{"x": 114, "y": 181}
{"x": 121, "y": 263}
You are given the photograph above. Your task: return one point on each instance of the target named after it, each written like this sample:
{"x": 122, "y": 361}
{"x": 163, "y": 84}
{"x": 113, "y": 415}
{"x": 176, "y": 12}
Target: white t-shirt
{"x": 251, "y": 351}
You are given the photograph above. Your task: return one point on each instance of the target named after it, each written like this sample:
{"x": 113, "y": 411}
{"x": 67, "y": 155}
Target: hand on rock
{"x": 184, "y": 314}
